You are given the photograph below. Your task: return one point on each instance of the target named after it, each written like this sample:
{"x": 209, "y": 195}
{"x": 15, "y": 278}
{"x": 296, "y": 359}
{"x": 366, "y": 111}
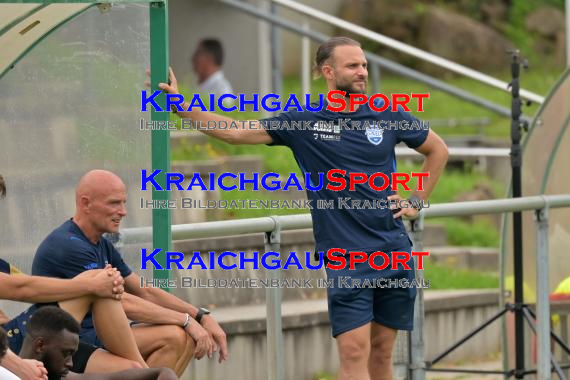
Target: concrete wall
{"x": 309, "y": 348}
{"x": 300, "y": 241}
{"x": 240, "y": 34}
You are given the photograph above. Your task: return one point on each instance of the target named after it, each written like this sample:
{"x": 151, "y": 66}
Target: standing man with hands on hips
{"x": 364, "y": 321}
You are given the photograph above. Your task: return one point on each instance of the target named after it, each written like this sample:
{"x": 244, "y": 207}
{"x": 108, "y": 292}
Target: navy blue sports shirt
{"x": 4, "y": 267}
{"x": 67, "y": 252}
{"x": 346, "y": 147}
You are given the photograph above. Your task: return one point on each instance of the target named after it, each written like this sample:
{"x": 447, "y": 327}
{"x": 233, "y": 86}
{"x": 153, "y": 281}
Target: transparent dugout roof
{"x": 545, "y": 170}
{"x": 69, "y": 103}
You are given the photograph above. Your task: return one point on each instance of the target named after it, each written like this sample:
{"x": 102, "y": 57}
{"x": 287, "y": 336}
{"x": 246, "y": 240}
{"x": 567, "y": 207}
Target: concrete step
{"x": 472, "y": 141}
{"x": 472, "y": 258}
{"x": 301, "y": 313}
{"x": 308, "y": 347}
{"x": 484, "y": 365}
{"x": 435, "y": 235}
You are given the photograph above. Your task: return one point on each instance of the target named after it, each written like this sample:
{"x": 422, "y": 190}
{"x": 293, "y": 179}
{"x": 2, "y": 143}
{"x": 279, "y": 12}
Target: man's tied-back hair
{"x": 51, "y": 320}
{"x": 2, "y": 187}
{"x": 325, "y": 51}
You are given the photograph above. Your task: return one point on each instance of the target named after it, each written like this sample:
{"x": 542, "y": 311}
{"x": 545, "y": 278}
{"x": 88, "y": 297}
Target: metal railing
{"x": 373, "y": 60}
{"x": 404, "y": 48}
{"x": 272, "y": 226}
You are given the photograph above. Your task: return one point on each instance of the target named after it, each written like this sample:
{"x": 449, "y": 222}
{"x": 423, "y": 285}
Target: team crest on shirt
{"x": 375, "y": 135}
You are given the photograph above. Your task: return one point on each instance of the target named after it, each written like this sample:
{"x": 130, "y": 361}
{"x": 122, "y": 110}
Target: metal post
{"x": 305, "y": 60}
{"x": 275, "y": 360}
{"x": 161, "y": 221}
{"x": 567, "y": 33}
{"x": 264, "y": 45}
{"x": 276, "y": 46}
{"x": 542, "y": 291}
{"x": 375, "y": 74}
{"x": 564, "y": 337}
{"x": 416, "y": 336}
{"x": 516, "y": 181}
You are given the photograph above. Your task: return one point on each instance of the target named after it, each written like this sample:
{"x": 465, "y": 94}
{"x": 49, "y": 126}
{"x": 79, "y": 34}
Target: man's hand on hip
{"x": 406, "y": 208}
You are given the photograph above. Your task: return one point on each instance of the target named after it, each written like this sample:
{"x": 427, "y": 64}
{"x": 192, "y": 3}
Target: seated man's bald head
{"x": 96, "y": 181}
{"x": 100, "y": 198}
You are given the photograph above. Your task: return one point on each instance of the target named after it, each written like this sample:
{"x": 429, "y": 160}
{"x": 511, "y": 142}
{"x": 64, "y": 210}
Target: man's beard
{"x": 53, "y": 376}
{"x": 349, "y": 88}
{"x": 52, "y": 373}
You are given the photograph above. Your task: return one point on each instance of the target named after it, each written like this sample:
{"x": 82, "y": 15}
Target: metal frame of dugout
{"x": 25, "y": 23}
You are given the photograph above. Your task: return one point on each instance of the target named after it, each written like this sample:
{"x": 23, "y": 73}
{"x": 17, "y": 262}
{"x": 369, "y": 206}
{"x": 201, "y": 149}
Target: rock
{"x": 399, "y": 21}
{"x": 439, "y": 31}
{"x": 462, "y": 40}
{"x": 546, "y": 21}
{"x": 481, "y": 192}
{"x": 549, "y": 25}
{"x": 494, "y": 13}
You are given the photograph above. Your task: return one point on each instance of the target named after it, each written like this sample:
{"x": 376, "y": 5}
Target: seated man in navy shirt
{"x": 173, "y": 330}
{"x": 77, "y": 296}
{"x": 96, "y": 289}
{"x": 364, "y": 321}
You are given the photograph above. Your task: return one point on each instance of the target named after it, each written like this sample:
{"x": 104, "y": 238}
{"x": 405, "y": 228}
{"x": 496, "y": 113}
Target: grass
{"x": 444, "y": 277}
{"x": 452, "y": 183}
{"x": 476, "y": 234}
{"x": 323, "y": 376}
{"x": 439, "y": 106}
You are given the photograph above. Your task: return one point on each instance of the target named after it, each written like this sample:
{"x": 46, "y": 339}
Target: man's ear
{"x": 39, "y": 345}
{"x": 328, "y": 72}
{"x": 84, "y": 202}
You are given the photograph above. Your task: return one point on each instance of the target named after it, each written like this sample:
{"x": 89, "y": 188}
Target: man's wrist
{"x": 174, "y": 108}
{"x": 84, "y": 284}
{"x": 11, "y": 361}
{"x": 415, "y": 202}
{"x": 202, "y": 312}
{"x": 186, "y": 321}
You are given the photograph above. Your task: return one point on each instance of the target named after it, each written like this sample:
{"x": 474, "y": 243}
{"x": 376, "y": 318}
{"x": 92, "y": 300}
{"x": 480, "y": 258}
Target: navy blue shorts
{"x": 89, "y": 335}
{"x": 384, "y": 298}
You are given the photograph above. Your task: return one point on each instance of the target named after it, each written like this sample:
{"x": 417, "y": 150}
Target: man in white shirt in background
{"x": 207, "y": 63}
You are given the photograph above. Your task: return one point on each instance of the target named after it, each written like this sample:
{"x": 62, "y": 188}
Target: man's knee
{"x": 134, "y": 365}
{"x": 102, "y": 362}
{"x": 381, "y": 349}
{"x": 175, "y": 336}
{"x": 354, "y": 350}
{"x": 190, "y": 344}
